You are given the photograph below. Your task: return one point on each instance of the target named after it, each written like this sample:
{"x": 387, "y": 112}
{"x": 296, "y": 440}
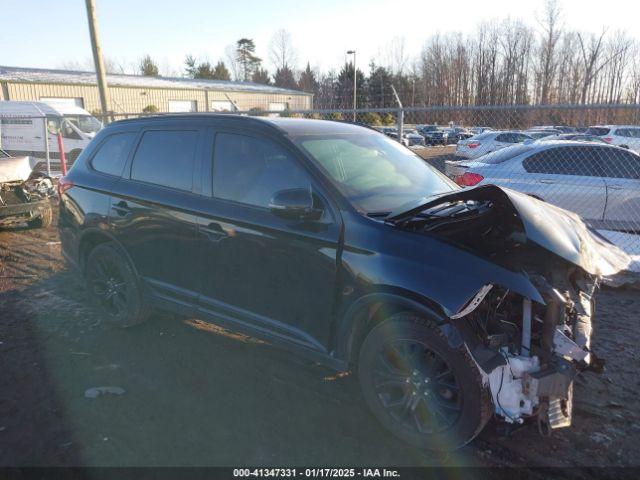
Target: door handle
{"x": 214, "y": 232}
{"x": 121, "y": 208}
{"x": 616, "y": 187}
{"x": 547, "y": 181}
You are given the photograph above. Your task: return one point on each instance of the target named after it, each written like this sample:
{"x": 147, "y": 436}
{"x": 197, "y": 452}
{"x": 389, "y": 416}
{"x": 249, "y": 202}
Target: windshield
{"x": 85, "y": 123}
{"x": 376, "y": 174}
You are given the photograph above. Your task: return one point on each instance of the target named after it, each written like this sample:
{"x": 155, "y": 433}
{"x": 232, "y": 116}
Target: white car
{"x": 598, "y": 182}
{"x": 625, "y": 136}
{"x": 488, "y": 142}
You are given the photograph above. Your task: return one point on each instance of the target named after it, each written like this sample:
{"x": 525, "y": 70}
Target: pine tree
{"x": 284, "y": 78}
{"x": 220, "y": 72}
{"x": 247, "y": 60}
{"x": 308, "y": 82}
{"x": 261, "y": 75}
{"x": 148, "y": 67}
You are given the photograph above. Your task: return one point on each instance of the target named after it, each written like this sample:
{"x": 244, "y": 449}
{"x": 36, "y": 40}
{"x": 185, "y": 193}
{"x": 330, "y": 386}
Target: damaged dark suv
{"x": 339, "y": 244}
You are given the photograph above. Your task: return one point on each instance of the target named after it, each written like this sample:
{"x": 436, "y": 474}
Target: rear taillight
{"x": 608, "y": 139}
{"x": 473, "y": 144}
{"x": 468, "y": 179}
{"x": 64, "y": 184}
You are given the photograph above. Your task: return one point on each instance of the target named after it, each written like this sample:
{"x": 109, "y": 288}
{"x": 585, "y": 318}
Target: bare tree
{"x": 281, "y": 51}
{"x": 547, "y": 61}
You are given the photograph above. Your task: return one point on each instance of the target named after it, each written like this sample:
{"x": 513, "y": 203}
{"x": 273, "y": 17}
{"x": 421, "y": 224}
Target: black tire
{"x": 44, "y": 220}
{"x": 422, "y": 390}
{"x": 114, "y": 286}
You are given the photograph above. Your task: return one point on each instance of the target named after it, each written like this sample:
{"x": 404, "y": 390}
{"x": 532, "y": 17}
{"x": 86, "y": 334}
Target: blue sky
{"x": 49, "y": 34}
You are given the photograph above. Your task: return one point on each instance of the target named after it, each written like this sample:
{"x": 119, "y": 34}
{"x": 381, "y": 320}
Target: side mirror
{"x": 295, "y": 204}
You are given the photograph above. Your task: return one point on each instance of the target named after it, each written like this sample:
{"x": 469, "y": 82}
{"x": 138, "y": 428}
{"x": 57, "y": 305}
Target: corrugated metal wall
{"x": 134, "y": 99}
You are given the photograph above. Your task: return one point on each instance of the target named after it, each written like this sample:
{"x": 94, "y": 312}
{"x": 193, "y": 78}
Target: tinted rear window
{"x": 112, "y": 154}
{"x": 578, "y": 161}
{"x": 166, "y": 158}
{"x": 597, "y": 131}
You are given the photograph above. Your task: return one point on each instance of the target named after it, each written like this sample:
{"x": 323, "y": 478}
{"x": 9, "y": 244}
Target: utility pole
{"x": 355, "y": 82}
{"x": 97, "y": 57}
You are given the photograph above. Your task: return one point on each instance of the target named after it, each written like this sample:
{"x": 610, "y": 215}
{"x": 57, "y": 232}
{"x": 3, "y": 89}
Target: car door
{"x": 150, "y": 209}
{"x": 275, "y": 275}
{"x": 621, "y": 170}
{"x": 569, "y": 177}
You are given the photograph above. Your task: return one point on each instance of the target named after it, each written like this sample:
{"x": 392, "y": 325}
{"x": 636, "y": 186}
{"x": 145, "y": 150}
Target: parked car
{"x": 433, "y": 135}
{"x": 455, "y": 134}
{"x": 539, "y": 134}
{"x": 336, "y": 243}
{"x": 477, "y": 130}
{"x": 582, "y": 137}
{"x": 488, "y": 142}
{"x": 598, "y": 182}
{"x": 558, "y": 128}
{"x": 390, "y": 132}
{"x": 24, "y": 194}
{"x": 625, "y": 136}
{"x": 411, "y": 139}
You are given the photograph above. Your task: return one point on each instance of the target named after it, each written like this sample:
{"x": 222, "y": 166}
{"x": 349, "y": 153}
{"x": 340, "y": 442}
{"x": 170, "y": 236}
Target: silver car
{"x": 599, "y": 182}
{"x": 488, "y": 142}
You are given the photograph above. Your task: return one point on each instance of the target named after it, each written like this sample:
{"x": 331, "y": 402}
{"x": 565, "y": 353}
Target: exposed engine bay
{"x": 528, "y": 347}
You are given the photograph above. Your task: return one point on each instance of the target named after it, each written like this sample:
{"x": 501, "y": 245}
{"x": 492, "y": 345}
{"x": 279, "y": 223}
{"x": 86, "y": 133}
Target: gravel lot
{"x": 195, "y": 394}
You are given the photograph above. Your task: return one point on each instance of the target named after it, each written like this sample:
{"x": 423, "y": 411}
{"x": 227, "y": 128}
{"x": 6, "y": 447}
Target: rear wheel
{"x": 421, "y": 389}
{"x": 44, "y": 220}
{"x": 114, "y": 286}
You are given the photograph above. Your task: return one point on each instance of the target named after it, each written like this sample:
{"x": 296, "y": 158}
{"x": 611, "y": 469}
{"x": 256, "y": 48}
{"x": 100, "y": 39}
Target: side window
{"x": 112, "y": 154}
{"x": 505, "y": 137}
{"x": 622, "y": 132}
{"x": 635, "y": 132}
{"x": 251, "y": 170}
{"x": 619, "y": 163}
{"x": 577, "y": 161}
{"x": 166, "y": 158}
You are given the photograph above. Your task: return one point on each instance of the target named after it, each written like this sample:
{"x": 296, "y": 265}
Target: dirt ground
{"x": 195, "y": 394}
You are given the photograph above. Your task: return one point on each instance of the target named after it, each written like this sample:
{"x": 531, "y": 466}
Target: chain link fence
{"x": 583, "y": 158}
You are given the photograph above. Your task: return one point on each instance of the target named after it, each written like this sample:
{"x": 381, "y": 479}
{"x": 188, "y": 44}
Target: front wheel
{"x": 420, "y": 388}
{"x": 114, "y": 286}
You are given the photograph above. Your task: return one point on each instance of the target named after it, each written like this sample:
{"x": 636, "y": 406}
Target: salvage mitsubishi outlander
{"x": 338, "y": 244}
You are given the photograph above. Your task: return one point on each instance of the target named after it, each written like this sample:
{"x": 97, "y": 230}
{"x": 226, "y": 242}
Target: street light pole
{"x": 355, "y": 82}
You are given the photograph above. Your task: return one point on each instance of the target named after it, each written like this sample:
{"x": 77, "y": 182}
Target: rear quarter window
{"x": 112, "y": 153}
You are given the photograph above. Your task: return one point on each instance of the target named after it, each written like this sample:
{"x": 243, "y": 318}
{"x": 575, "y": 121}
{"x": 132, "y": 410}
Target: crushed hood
{"x": 16, "y": 169}
{"x": 552, "y": 228}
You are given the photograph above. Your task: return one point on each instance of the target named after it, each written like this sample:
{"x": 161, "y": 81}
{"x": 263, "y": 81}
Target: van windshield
{"x": 85, "y": 123}
{"x": 374, "y": 173}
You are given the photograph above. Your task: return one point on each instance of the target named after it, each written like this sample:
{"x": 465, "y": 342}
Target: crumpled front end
{"x": 22, "y": 200}
{"x": 530, "y": 353}
{"x": 528, "y": 346}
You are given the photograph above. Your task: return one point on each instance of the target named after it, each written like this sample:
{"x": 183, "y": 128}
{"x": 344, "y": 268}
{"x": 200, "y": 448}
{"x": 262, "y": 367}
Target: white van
{"x": 23, "y": 126}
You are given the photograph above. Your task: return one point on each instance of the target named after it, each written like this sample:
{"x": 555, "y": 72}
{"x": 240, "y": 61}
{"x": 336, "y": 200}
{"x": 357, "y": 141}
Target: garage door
{"x": 222, "y": 106}
{"x": 63, "y": 101}
{"x": 183, "y": 106}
